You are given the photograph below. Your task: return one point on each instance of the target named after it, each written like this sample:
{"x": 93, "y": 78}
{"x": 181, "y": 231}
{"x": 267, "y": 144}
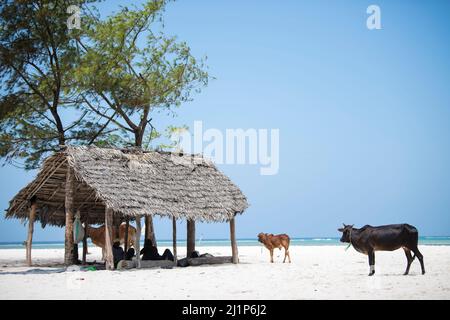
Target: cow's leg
{"x": 371, "y": 255}
{"x": 271, "y": 255}
{"x": 286, "y": 254}
{"x": 409, "y": 259}
{"x": 103, "y": 254}
{"x": 420, "y": 257}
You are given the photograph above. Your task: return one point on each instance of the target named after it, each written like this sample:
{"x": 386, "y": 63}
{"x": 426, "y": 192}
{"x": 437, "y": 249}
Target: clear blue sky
{"x": 364, "y": 116}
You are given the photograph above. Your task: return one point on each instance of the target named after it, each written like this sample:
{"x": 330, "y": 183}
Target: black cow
{"x": 369, "y": 239}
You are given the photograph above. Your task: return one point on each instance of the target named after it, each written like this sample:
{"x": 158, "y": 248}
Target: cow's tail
{"x": 414, "y": 234}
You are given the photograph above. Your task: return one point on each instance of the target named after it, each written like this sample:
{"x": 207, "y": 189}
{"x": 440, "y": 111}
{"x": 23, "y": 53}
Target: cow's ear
{"x": 341, "y": 229}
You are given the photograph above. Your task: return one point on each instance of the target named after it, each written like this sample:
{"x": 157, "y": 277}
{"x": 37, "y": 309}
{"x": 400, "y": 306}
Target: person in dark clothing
{"x": 118, "y": 253}
{"x": 150, "y": 252}
{"x": 130, "y": 254}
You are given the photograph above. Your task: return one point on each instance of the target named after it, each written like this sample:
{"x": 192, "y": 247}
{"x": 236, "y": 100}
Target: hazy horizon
{"x": 363, "y": 115}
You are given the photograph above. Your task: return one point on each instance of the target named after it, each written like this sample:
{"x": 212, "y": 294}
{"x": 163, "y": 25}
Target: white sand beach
{"x": 316, "y": 272}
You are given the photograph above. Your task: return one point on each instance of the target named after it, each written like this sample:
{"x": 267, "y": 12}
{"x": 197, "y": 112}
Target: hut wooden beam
{"x": 69, "y": 205}
{"x": 149, "y": 230}
{"x": 31, "y": 219}
{"x": 116, "y": 229}
{"x": 127, "y": 227}
{"x": 85, "y": 245}
{"x": 190, "y": 238}
{"x": 108, "y": 239}
{"x": 41, "y": 183}
{"x": 174, "y": 239}
{"x": 138, "y": 242}
{"x": 234, "y": 248}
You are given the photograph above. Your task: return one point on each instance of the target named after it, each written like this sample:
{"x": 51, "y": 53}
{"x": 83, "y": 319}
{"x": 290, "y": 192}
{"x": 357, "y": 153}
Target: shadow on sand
{"x": 34, "y": 271}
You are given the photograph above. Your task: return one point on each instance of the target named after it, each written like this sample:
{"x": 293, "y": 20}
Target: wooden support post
{"x": 234, "y": 248}
{"x": 174, "y": 239}
{"x": 30, "y": 230}
{"x": 127, "y": 227}
{"x": 190, "y": 238}
{"x": 75, "y": 253}
{"x": 108, "y": 239}
{"x": 138, "y": 242}
{"x": 85, "y": 245}
{"x": 116, "y": 229}
{"x": 149, "y": 230}
{"x": 69, "y": 206}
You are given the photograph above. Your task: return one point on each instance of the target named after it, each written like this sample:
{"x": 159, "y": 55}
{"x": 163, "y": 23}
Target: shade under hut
{"x": 114, "y": 185}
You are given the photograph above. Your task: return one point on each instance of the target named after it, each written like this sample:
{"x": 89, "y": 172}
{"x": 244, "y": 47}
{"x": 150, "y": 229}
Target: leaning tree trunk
{"x": 69, "y": 205}
{"x": 139, "y": 133}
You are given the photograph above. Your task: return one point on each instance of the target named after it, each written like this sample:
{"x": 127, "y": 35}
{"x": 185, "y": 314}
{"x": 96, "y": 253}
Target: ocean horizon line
{"x": 305, "y": 241}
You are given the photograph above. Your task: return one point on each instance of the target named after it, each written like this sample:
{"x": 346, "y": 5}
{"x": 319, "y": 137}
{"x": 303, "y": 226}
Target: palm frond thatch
{"x": 131, "y": 183}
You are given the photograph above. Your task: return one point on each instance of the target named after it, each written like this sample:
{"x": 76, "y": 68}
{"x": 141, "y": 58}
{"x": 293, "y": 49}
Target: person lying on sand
{"x": 150, "y": 252}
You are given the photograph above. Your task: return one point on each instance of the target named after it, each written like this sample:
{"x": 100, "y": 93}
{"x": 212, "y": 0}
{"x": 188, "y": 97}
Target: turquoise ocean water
{"x": 445, "y": 241}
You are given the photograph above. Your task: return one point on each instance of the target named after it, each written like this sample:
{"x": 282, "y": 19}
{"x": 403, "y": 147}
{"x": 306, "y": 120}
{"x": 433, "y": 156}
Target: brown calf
{"x": 271, "y": 242}
{"x": 97, "y": 236}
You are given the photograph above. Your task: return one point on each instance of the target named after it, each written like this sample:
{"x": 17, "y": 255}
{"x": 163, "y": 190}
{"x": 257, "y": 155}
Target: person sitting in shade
{"x": 118, "y": 253}
{"x": 150, "y": 252}
{"x": 130, "y": 254}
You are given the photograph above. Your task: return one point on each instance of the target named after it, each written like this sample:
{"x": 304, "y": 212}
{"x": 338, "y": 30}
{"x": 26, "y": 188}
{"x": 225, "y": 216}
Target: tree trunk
{"x": 234, "y": 248}
{"x": 68, "y": 243}
{"x": 30, "y": 230}
{"x": 174, "y": 239}
{"x": 108, "y": 239}
{"x": 139, "y": 133}
{"x": 138, "y": 241}
{"x": 190, "y": 238}
{"x": 149, "y": 230}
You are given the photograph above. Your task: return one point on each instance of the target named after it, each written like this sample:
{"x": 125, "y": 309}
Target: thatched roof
{"x": 130, "y": 182}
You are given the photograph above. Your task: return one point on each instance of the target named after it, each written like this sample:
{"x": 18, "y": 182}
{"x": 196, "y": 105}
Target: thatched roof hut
{"x": 129, "y": 183}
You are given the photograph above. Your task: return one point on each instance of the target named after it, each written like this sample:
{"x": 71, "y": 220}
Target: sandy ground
{"x": 321, "y": 272}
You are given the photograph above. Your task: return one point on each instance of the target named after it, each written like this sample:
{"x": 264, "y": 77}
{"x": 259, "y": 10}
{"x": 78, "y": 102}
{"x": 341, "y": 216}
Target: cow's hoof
{"x": 423, "y": 272}
{"x": 405, "y": 274}
{"x": 372, "y": 273}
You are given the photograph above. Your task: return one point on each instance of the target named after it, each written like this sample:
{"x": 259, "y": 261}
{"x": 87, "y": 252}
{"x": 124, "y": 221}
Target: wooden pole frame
{"x": 234, "y": 247}
{"x": 174, "y": 239}
{"x": 190, "y": 239}
{"x": 31, "y": 219}
{"x": 150, "y": 230}
{"x": 69, "y": 207}
{"x": 108, "y": 239}
{"x": 127, "y": 227}
{"x": 138, "y": 241}
{"x": 85, "y": 245}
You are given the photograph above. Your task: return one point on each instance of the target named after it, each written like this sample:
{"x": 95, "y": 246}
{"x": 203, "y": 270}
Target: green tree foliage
{"x": 129, "y": 69}
{"x": 39, "y": 104}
